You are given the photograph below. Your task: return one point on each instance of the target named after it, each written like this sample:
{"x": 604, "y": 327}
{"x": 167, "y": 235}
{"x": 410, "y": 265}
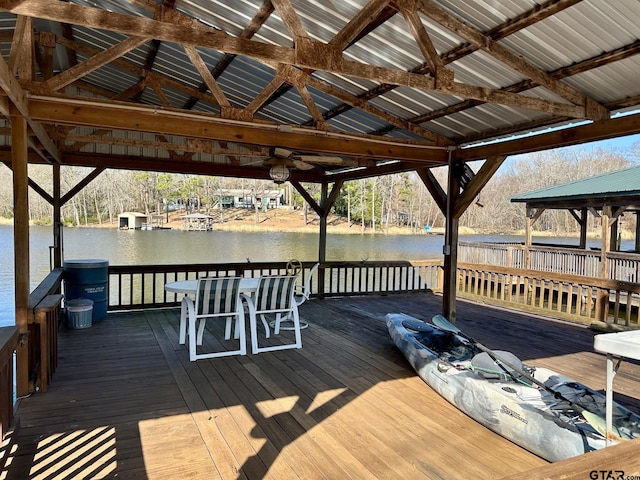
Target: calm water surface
{"x": 129, "y": 247}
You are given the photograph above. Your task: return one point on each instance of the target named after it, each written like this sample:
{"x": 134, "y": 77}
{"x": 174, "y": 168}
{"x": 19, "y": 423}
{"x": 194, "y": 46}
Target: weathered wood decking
{"x": 125, "y": 401}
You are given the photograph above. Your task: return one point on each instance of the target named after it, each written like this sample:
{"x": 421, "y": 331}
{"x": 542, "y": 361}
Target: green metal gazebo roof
{"x": 617, "y": 188}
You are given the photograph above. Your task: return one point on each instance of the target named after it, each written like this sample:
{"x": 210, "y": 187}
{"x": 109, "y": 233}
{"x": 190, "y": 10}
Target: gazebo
{"x": 607, "y": 196}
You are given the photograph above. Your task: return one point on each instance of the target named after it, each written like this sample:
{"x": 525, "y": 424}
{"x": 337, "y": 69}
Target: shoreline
{"x": 292, "y": 221}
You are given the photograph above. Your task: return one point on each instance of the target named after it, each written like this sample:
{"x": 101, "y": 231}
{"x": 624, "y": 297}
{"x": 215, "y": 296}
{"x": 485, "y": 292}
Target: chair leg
{"x": 201, "y": 326}
{"x": 183, "y": 320}
{"x": 227, "y": 328}
{"x": 296, "y": 327}
{"x": 266, "y": 326}
{"x": 192, "y": 340}
{"x": 238, "y": 322}
{"x": 276, "y": 323}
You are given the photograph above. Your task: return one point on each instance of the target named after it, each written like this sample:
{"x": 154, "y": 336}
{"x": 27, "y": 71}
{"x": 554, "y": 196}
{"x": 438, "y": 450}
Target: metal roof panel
{"x": 622, "y": 182}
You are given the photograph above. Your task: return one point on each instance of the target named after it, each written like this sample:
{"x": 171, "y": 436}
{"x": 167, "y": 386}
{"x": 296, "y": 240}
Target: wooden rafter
{"x": 21, "y": 55}
{"x": 136, "y": 70}
{"x": 517, "y": 62}
{"x": 261, "y": 16}
{"x": 204, "y": 72}
{"x": 18, "y": 98}
{"x": 540, "y": 12}
{"x": 305, "y": 54}
{"x": 360, "y": 23}
{"x": 289, "y": 18}
{"x": 96, "y": 61}
{"x": 423, "y": 40}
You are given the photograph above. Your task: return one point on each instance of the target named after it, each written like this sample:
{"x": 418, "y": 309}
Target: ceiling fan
{"x": 282, "y": 156}
{"x": 282, "y": 160}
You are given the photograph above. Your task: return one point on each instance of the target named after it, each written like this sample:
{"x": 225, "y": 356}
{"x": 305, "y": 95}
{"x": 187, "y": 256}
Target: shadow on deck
{"x": 126, "y": 402}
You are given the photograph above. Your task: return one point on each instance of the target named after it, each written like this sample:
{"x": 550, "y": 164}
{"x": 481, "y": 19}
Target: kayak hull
{"x": 526, "y": 414}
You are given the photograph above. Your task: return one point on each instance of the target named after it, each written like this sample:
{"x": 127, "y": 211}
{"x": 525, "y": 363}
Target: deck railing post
{"x": 8, "y": 345}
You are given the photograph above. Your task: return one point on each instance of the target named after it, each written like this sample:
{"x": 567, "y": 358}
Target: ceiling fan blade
{"x": 281, "y": 152}
{"x": 322, "y": 159}
{"x": 300, "y": 165}
{"x": 255, "y": 162}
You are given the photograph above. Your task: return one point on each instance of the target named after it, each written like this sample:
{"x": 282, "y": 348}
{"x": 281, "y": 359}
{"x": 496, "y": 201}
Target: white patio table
{"x": 189, "y": 287}
{"x": 615, "y": 345}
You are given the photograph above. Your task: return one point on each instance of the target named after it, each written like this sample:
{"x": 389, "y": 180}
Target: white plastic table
{"x": 189, "y": 287}
{"x": 620, "y": 344}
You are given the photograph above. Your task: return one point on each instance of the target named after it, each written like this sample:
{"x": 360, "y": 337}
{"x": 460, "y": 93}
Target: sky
{"x": 617, "y": 143}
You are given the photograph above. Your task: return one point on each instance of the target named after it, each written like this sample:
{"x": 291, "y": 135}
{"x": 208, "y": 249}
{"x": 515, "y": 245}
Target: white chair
{"x": 216, "y": 298}
{"x": 274, "y": 296}
{"x": 301, "y": 295}
{"x": 303, "y": 292}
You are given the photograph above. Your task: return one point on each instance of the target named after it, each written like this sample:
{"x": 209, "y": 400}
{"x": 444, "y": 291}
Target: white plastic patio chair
{"x": 216, "y": 298}
{"x": 302, "y": 294}
{"x": 274, "y": 296}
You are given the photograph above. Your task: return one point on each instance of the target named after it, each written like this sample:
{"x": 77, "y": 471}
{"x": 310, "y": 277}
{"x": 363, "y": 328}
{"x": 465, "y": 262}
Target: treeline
{"x": 375, "y": 203}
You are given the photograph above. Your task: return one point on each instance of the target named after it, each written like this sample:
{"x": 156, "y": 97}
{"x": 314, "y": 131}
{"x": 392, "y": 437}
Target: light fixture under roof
{"x": 279, "y": 173}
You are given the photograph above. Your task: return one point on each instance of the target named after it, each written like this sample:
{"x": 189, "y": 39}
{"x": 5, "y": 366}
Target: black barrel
{"x": 88, "y": 278}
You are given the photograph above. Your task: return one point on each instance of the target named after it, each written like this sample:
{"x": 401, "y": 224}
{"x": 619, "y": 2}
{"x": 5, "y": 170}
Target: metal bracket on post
{"x": 23, "y": 338}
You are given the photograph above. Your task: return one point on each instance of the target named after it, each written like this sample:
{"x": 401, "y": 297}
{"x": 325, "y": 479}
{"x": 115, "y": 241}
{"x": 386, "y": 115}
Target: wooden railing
{"x": 8, "y": 345}
{"x": 572, "y": 297}
{"x": 142, "y": 286}
{"x": 573, "y": 261}
{"x": 44, "y": 308}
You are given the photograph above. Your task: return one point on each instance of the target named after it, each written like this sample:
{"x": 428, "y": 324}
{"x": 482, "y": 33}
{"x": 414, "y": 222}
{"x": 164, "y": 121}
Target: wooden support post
{"x": 602, "y": 301}
{"x": 322, "y": 240}
{"x": 57, "y": 218}
{"x": 450, "y": 249}
{"x": 532, "y": 215}
{"x": 613, "y": 235}
{"x": 583, "y": 228}
{"x": 636, "y": 246}
{"x": 21, "y": 246}
{"x": 527, "y": 241}
{"x": 322, "y": 244}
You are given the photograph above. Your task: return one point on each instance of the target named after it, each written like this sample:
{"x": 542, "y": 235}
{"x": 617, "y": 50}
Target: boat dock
{"x": 126, "y": 402}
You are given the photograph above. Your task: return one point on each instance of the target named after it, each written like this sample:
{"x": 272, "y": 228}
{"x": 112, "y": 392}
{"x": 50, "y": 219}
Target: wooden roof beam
{"x": 150, "y": 119}
{"x": 361, "y": 23}
{"x": 594, "y": 110}
{"x": 95, "y": 62}
{"x": 422, "y": 38}
{"x": 435, "y": 189}
{"x": 306, "y": 53}
{"x": 601, "y": 130}
{"x": 538, "y": 13}
{"x": 477, "y": 183}
{"x": 261, "y": 16}
{"x": 289, "y": 18}
{"x": 18, "y": 100}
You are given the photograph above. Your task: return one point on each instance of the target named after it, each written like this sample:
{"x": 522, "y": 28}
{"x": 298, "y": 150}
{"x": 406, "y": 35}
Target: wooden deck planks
{"x": 126, "y": 401}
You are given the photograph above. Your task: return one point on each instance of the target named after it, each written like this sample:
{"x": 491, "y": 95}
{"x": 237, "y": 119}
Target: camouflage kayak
{"x": 544, "y": 412}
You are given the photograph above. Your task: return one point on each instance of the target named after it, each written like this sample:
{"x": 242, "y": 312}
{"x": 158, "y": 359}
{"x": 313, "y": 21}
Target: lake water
{"x": 137, "y": 247}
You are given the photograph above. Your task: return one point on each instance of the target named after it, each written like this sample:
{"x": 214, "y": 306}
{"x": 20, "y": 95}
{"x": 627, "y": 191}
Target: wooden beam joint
{"x": 319, "y": 54}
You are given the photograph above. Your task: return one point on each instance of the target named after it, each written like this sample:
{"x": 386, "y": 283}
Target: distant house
{"x": 244, "y": 199}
